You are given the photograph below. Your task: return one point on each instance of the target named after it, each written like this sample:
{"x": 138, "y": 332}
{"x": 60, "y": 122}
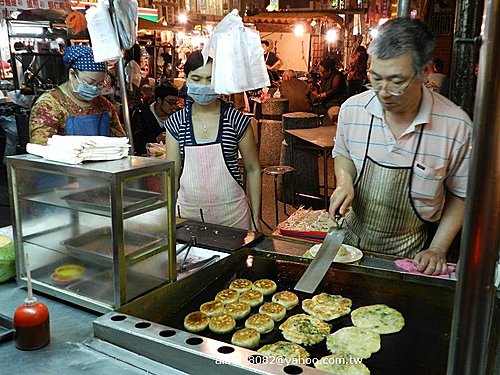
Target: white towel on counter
{"x": 77, "y": 149}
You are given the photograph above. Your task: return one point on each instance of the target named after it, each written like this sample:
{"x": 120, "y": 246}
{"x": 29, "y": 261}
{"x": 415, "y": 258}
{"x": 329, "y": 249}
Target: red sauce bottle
{"x": 31, "y": 321}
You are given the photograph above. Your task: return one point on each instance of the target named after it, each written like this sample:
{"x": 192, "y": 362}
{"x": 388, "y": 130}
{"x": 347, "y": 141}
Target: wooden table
{"x": 319, "y": 139}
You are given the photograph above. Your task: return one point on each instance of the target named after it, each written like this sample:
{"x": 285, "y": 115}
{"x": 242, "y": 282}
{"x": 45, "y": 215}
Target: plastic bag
{"x": 7, "y": 259}
{"x": 126, "y": 16}
{"x": 238, "y": 57}
{"x": 102, "y": 34}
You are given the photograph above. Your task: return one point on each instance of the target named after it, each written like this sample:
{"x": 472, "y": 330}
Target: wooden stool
{"x": 275, "y": 171}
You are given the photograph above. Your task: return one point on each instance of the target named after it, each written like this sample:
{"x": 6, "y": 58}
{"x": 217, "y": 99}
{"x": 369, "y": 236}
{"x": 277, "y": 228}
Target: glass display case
{"x": 96, "y": 234}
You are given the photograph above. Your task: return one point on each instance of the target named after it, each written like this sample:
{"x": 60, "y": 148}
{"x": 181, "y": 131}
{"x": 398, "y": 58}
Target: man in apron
{"x": 76, "y": 107}
{"x": 402, "y": 155}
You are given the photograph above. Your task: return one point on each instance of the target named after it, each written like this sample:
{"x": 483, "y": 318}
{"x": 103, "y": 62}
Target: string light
{"x": 183, "y": 18}
{"x": 299, "y": 30}
{"x": 331, "y": 36}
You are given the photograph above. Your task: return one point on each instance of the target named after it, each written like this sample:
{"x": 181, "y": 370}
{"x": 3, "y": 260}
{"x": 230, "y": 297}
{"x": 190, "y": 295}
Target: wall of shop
{"x": 293, "y": 50}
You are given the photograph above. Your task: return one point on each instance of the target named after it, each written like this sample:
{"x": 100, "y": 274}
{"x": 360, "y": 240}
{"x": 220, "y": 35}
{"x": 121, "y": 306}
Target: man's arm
{"x": 342, "y": 196}
{"x": 432, "y": 261}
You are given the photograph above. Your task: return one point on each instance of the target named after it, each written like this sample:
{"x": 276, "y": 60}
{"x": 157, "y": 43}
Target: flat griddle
{"x": 420, "y": 348}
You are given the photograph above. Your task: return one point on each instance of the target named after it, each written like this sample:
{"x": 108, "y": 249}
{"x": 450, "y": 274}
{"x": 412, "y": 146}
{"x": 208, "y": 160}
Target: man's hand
{"x": 431, "y": 261}
{"x": 342, "y": 196}
{"x": 341, "y": 199}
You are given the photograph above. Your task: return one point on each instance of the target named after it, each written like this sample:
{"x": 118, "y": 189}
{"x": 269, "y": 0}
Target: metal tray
{"x": 6, "y": 327}
{"x": 100, "y": 287}
{"x": 99, "y": 242}
{"x": 216, "y": 237}
{"x": 99, "y": 199}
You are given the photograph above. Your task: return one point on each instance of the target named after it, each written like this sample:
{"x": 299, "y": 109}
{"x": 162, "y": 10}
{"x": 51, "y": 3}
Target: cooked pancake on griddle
{"x": 285, "y": 349}
{"x": 341, "y": 364}
{"x": 327, "y": 306}
{"x": 354, "y": 341}
{"x": 261, "y": 322}
{"x": 241, "y": 285}
{"x": 238, "y": 310}
{"x": 304, "y": 329}
{"x": 221, "y": 323}
{"x": 265, "y": 286}
{"x": 378, "y": 318}
{"x": 287, "y": 299}
{"x": 252, "y": 297}
{"x": 227, "y": 296}
{"x": 212, "y": 308}
{"x": 196, "y": 321}
{"x": 274, "y": 310}
{"x": 246, "y": 338}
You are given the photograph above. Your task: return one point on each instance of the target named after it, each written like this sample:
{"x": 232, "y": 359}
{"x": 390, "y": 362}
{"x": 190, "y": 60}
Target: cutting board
{"x": 216, "y": 237}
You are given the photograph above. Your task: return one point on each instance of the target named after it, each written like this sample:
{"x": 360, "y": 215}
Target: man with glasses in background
{"x": 402, "y": 155}
{"x": 148, "y": 119}
{"x": 76, "y": 107}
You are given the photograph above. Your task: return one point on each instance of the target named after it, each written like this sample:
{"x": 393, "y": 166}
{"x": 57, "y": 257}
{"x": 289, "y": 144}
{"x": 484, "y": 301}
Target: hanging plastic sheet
{"x": 238, "y": 57}
{"x": 126, "y": 15}
{"x": 102, "y": 34}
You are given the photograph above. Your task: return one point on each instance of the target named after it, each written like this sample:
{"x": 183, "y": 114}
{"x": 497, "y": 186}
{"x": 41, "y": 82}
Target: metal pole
{"x": 155, "y": 57}
{"x": 468, "y": 19}
{"x": 470, "y": 350}
{"x": 123, "y": 84}
{"x": 404, "y": 8}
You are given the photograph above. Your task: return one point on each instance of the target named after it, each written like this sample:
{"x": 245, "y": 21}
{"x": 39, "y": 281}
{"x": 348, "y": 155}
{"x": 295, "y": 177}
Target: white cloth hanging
{"x": 238, "y": 57}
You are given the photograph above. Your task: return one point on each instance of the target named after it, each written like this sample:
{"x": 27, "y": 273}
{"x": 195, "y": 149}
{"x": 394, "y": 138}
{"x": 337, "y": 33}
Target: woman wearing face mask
{"x": 204, "y": 139}
{"x": 76, "y": 107}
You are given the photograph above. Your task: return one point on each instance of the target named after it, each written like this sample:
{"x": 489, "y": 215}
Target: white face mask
{"x": 201, "y": 94}
{"x": 85, "y": 90}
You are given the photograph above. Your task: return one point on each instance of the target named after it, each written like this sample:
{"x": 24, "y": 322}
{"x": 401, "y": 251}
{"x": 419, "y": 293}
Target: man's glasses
{"x": 390, "y": 87}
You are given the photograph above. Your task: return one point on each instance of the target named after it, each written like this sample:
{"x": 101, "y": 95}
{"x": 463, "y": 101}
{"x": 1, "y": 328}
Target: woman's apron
{"x": 96, "y": 124}
{"x": 208, "y": 192}
{"x": 382, "y": 218}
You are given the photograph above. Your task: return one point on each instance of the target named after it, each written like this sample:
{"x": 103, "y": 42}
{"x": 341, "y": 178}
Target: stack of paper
{"x": 77, "y": 149}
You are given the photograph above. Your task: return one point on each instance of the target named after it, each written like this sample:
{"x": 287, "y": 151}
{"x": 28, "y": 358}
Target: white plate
{"x": 353, "y": 254}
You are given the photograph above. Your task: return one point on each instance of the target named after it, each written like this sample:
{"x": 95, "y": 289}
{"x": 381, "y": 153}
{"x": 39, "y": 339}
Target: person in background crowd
{"x": 148, "y": 119}
{"x": 133, "y": 75}
{"x": 273, "y": 63}
{"x": 313, "y": 82}
{"x": 437, "y": 80}
{"x": 402, "y": 154}
{"x": 356, "y": 71}
{"x": 332, "y": 91}
{"x": 76, "y": 107}
{"x": 204, "y": 139}
{"x": 296, "y": 91}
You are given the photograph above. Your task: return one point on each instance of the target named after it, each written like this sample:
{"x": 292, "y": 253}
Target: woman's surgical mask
{"x": 201, "y": 94}
{"x": 86, "y": 91}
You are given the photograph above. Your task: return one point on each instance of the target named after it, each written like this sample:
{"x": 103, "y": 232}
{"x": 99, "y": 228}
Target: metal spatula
{"x": 322, "y": 261}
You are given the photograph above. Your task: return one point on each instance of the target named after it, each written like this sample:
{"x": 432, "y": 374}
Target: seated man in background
{"x": 147, "y": 119}
{"x": 296, "y": 91}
